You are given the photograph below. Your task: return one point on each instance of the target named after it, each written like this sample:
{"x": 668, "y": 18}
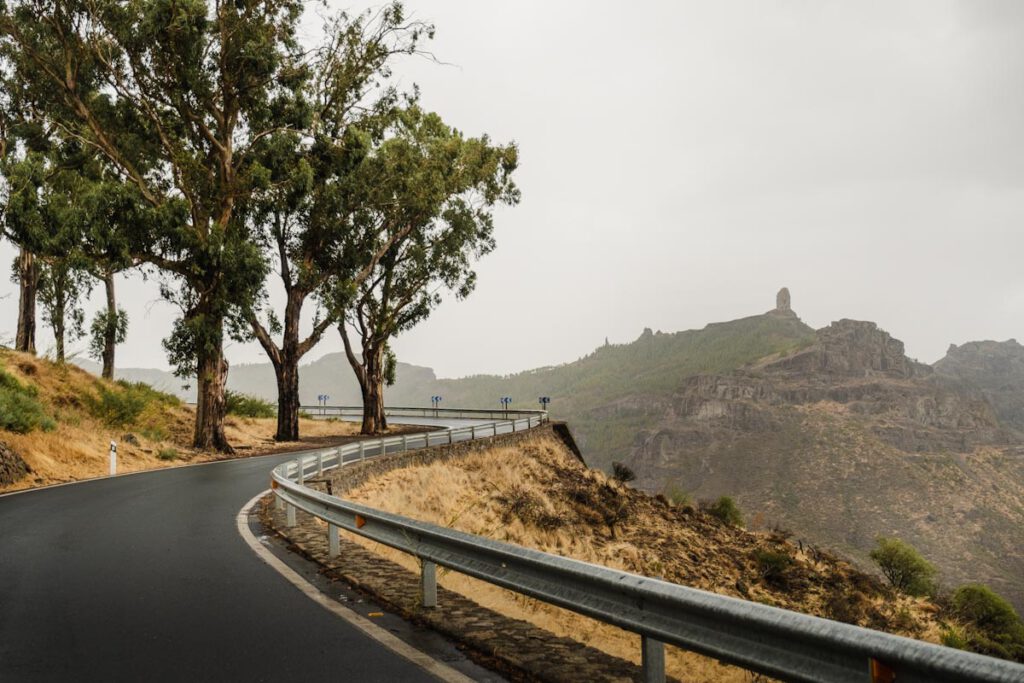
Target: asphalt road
{"x": 145, "y": 577}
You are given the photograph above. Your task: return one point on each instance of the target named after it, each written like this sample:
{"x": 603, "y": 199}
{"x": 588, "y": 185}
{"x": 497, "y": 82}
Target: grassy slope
{"x": 539, "y": 496}
{"x": 596, "y": 393}
{"x": 70, "y": 417}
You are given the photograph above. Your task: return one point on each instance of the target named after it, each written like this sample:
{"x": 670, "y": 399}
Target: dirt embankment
{"x": 538, "y": 495}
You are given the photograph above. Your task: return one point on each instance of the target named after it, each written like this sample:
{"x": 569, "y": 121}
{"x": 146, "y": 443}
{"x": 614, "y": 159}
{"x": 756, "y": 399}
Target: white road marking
{"x": 435, "y": 668}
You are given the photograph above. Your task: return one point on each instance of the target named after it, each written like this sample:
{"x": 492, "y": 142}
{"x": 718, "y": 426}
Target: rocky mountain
{"x": 996, "y": 368}
{"x": 847, "y": 439}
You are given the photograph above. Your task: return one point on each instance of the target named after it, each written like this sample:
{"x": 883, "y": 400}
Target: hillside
{"x": 535, "y": 493}
{"x": 57, "y": 422}
{"x": 996, "y": 368}
{"x": 848, "y": 439}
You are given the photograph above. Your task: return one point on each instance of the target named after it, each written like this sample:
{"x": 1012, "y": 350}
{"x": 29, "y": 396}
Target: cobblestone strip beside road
{"x": 518, "y": 648}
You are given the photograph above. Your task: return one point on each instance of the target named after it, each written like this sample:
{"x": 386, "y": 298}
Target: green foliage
{"x": 167, "y": 454}
{"x": 20, "y": 409}
{"x": 727, "y": 511}
{"x": 954, "y": 638}
{"x": 905, "y": 569}
{"x": 63, "y": 283}
{"x": 107, "y": 323}
{"x": 122, "y": 404}
{"x": 772, "y": 565}
{"x": 994, "y": 627}
{"x": 244, "y": 405}
{"x": 154, "y": 433}
{"x": 676, "y": 495}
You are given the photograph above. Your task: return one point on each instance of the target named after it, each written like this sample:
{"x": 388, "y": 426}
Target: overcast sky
{"x": 681, "y": 161}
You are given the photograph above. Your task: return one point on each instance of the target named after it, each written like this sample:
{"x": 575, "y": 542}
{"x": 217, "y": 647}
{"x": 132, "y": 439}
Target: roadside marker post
{"x": 113, "y": 458}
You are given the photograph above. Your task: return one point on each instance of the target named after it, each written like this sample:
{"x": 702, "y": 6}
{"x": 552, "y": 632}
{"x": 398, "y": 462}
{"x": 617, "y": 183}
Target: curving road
{"x": 145, "y": 577}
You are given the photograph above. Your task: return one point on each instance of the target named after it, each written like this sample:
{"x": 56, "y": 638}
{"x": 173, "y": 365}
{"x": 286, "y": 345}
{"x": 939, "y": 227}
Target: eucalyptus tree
{"x": 430, "y": 196}
{"x": 63, "y": 283}
{"x": 25, "y": 222}
{"x": 176, "y": 96}
{"x": 303, "y": 219}
{"x": 102, "y": 212}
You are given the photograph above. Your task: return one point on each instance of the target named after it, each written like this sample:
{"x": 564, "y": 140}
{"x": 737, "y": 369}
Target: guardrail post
{"x": 290, "y": 521}
{"x": 449, "y": 437}
{"x": 428, "y": 583}
{"x": 333, "y": 543}
{"x": 278, "y": 502}
{"x": 472, "y": 431}
{"x": 383, "y": 448}
{"x": 513, "y": 426}
{"x": 300, "y": 475}
{"x": 405, "y": 442}
{"x": 362, "y": 450}
{"x": 652, "y": 655}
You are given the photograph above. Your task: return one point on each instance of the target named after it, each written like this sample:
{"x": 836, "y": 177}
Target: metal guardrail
{"x": 779, "y": 643}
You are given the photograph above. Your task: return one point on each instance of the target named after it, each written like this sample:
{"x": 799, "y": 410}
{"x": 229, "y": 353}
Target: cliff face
{"x": 996, "y": 368}
{"x": 848, "y": 439}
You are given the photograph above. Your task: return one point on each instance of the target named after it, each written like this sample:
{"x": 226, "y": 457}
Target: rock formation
{"x": 846, "y": 438}
{"x": 997, "y": 368}
{"x": 12, "y": 467}
{"x": 782, "y": 302}
{"x": 853, "y": 348}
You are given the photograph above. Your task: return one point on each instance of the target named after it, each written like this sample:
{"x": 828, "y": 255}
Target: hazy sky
{"x": 681, "y": 161}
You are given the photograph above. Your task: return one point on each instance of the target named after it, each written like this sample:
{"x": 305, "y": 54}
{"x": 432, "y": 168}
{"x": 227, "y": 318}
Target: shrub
{"x": 727, "y": 511}
{"x": 992, "y": 626}
{"x": 984, "y": 608}
{"x": 952, "y": 637}
{"x": 148, "y": 394}
{"x": 118, "y": 408}
{"x": 622, "y": 473}
{"x": 167, "y": 454}
{"x": 772, "y": 565}
{"x": 676, "y": 495}
{"x": 905, "y": 569}
{"x": 244, "y": 405}
{"x": 20, "y": 409}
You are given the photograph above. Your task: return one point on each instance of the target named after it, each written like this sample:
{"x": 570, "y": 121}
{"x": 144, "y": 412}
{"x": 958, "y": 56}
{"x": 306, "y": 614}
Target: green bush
{"x": 772, "y": 565}
{"x": 994, "y": 627}
{"x": 167, "y": 454}
{"x": 952, "y": 637}
{"x": 984, "y": 608}
{"x": 20, "y": 409}
{"x": 148, "y": 394}
{"x": 906, "y": 570}
{"x": 676, "y": 495}
{"x": 121, "y": 404}
{"x": 244, "y": 405}
{"x": 725, "y": 509}
{"x": 118, "y": 408}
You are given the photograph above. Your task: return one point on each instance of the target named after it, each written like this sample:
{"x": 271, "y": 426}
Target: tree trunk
{"x": 211, "y": 381}
{"x": 28, "y": 280}
{"x": 287, "y": 398}
{"x": 58, "y": 332}
{"x": 287, "y": 370}
{"x": 372, "y": 385}
{"x": 110, "y": 333}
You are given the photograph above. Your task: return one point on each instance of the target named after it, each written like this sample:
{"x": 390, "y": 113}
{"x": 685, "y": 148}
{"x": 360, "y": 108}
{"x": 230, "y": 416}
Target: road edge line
{"x": 421, "y": 659}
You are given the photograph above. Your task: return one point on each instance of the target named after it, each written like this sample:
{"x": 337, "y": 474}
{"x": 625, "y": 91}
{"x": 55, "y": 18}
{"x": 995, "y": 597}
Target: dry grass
{"x": 539, "y": 496}
{"x": 78, "y": 448}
